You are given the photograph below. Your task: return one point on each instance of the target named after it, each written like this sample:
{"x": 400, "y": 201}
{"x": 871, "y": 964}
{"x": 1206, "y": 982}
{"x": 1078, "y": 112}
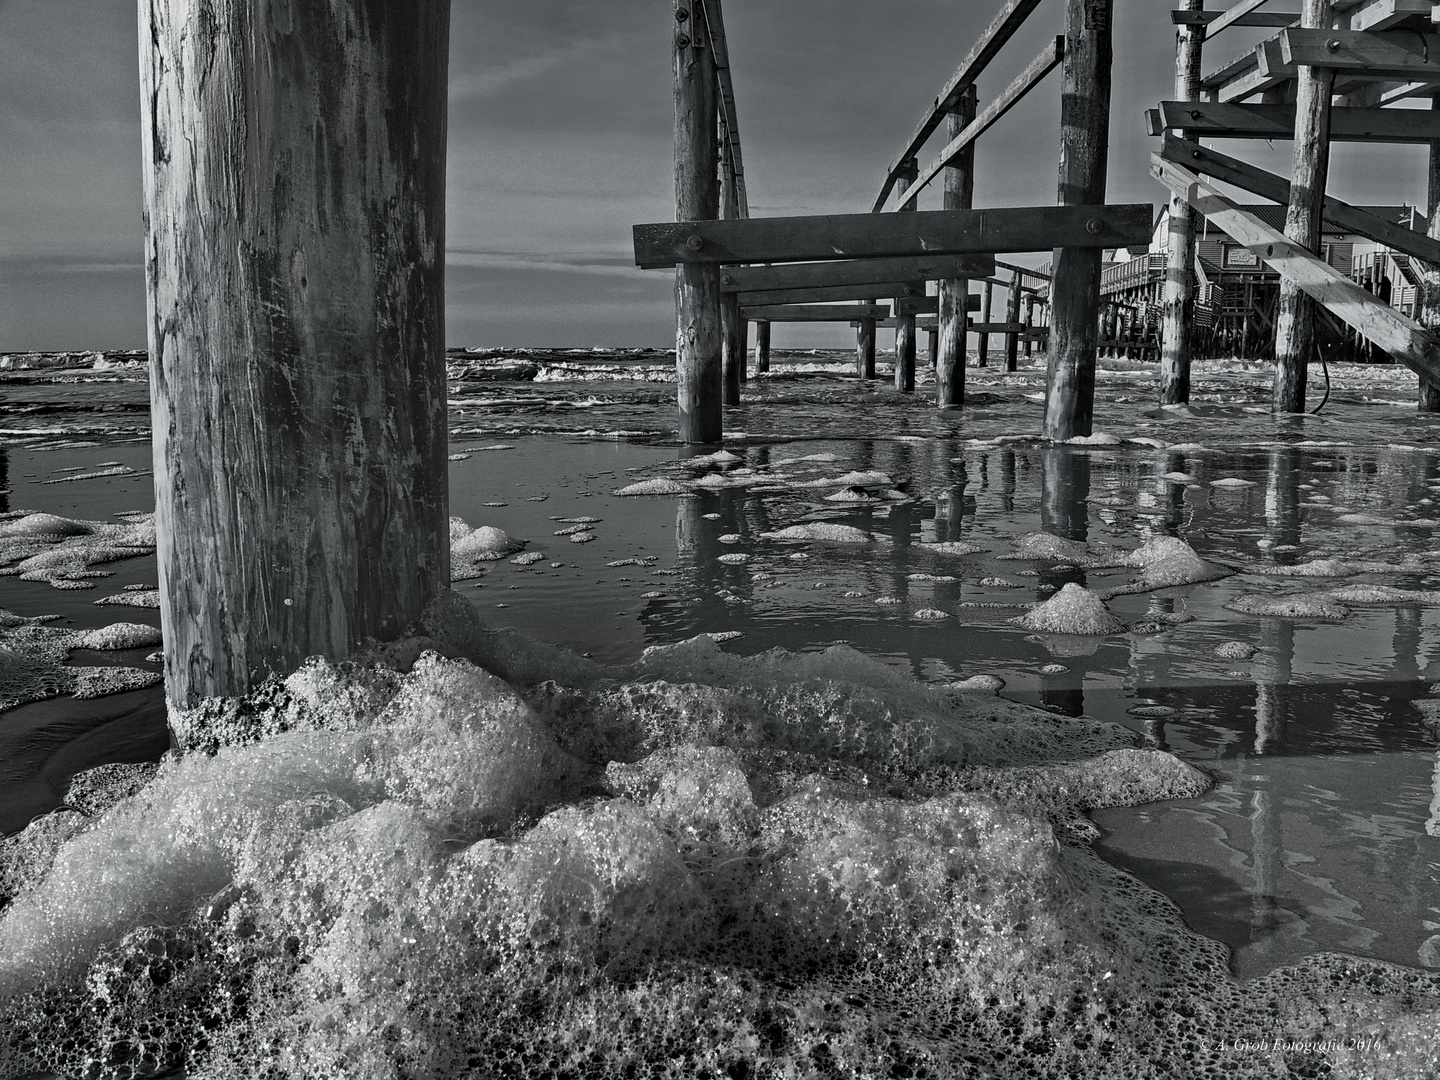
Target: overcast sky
{"x": 560, "y": 131}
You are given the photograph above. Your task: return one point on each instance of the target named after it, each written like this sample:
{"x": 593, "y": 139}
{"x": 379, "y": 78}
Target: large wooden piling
{"x": 1075, "y": 278}
{"x": 1179, "y": 311}
{"x": 762, "y": 346}
{"x": 1310, "y": 163}
{"x": 698, "y": 369}
{"x": 1427, "y": 310}
{"x": 905, "y": 324}
{"x": 296, "y": 299}
{"x": 954, "y": 292}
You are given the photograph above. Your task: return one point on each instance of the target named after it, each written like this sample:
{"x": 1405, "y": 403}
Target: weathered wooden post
{"x": 1012, "y": 316}
{"x": 1029, "y": 323}
{"x": 762, "y": 346}
{"x": 933, "y": 332}
{"x": 1075, "y": 278}
{"x": 1179, "y": 307}
{"x": 952, "y": 318}
{"x": 1427, "y": 309}
{"x": 296, "y": 328}
{"x": 732, "y": 326}
{"x": 982, "y": 348}
{"x": 865, "y": 348}
{"x": 697, "y": 197}
{"x": 1295, "y": 319}
{"x": 905, "y": 324}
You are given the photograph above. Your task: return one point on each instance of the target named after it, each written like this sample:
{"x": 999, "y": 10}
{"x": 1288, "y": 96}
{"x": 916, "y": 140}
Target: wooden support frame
{"x": 1045, "y": 62}
{"x": 879, "y": 274}
{"x": 1267, "y": 185}
{"x": 1401, "y": 337}
{"x": 1383, "y": 14}
{"x": 1008, "y": 19}
{"x": 926, "y": 232}
{"x": 1232, "y": 16}
{"x": 1257, "y": 18}
{"x": 815, "y": 312}
{"x": 1227, "y": 120}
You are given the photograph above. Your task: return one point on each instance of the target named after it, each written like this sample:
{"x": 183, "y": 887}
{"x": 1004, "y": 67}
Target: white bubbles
{"x": 1072, "y": 610}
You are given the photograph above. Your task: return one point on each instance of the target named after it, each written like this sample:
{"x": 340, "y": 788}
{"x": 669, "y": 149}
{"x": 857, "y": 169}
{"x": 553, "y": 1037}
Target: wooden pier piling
{"x": 698, "y": 368}
{"x": 1310, "y": 163}
{"x": 905, "y": 324}
{"x": 1179, "y": 310}
{"x": 296, "y": 329}
{"x": 982, "y": 348}
{"x": 1075, "y": 277}
{"x": 865, "y": 349}
{"x": 1012, "y": 316}
{"x": 762, "y": 346}
{"x": 732, "y": 326}
{"x": 955, "y": 292}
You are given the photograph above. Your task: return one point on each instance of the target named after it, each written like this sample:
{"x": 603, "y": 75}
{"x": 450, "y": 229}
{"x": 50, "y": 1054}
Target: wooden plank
{"x": 1341, "y": 217}
{"x": 921, "y": 323}
{"x": 830, "y": 293}
{"x": 1044, "y": 63}
{"x": 1360, "y": 55}
{"x": 1383, "y": 14}
{"x": 815, "y": 312}
{"x": 1258, "y": 18}
{"x": 924, "y": 233}
{"x": 917, "y": 305}
{"x": 878, "y": 273}
{"x": 1225, "y": 120}
{"x": 1008, "y": 19}
{"x": 1007, "y": 327}
{"x": 1024, "y": 271}
{"x": 1231, "y": 16}
{"x": 1401, "y": 337}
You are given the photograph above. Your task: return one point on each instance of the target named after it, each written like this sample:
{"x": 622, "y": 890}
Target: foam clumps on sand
{"x": 1293, "y": 606}
{"x": 1165, "y": 561}
{"x": 697, "y": 865}
{"x": 660, "y": 485}
{"x": 827, "y": 531}
{"x": 63, "y": 552}
{"x": 1072, "y": 610}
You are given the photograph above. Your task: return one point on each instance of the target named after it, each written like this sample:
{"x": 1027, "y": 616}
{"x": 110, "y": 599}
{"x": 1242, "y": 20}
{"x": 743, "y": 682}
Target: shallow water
{"x": 1318, "y": 833}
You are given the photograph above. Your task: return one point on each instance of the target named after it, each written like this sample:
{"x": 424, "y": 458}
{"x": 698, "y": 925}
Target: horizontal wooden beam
{"x": 995, "y": 327}
{"x": 1356, "y": 54}
{"x": 923, "y": 232}
{"x": 1267, "y": 71}
{"x": 1224, "y": 120}
{"x": 917, "y": 305}
{"x": 1024, "y": 271}
{"x": 1044, "y": 63}
{"x": 874, "y": 272}
{"x": 1231, "y": 16}
{"x": 1402, "y": 338}
{"x": 1338, "y": 215}
{"x": 1010, "y": 18}
{"x": 1258, "y": 18}
{"x": 922, "y": 322}
{"x": 814, "y": 312}
{"x": 830, "y": 293}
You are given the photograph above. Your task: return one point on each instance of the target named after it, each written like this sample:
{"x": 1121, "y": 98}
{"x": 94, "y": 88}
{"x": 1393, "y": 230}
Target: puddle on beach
{"x": 1322, "y": 831}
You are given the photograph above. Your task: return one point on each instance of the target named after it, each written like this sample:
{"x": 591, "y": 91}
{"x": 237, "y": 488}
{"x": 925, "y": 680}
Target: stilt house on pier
{"x": 1237, "y": 292}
